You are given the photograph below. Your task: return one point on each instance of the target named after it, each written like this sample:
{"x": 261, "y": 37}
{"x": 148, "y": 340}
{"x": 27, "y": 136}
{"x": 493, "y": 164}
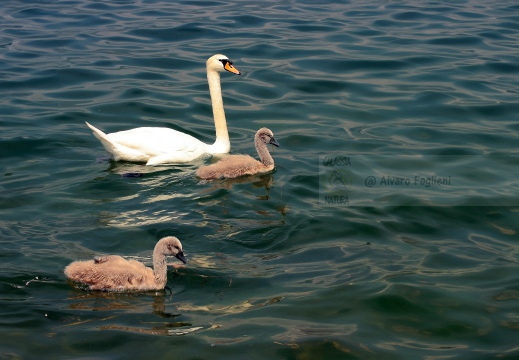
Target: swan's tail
{"x": 118, "y": 151}
{"x": 110, "y": 146}
{"x": 101, "y": 136}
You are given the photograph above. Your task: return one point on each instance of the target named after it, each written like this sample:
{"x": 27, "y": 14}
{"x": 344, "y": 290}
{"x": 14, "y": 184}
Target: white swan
{"x": 156, "y": 145}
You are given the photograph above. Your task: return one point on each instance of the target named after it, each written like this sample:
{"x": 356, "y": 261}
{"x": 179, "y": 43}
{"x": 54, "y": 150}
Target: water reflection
{"x": 257, "y": 181}
{"x": 150, "y": 195}
{"x": 133, "y": 218}
{"x": 126, "y": 169}
{"x": 98, "y": 302}
{"x": 130, "y": 303}
{"x": 103, "y": 301}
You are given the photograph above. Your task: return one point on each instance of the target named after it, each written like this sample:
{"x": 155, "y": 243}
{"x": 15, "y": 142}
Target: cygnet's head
{"x": 170, "y": 245}
{"x": 220, "y": 63}
{"x": 267, "y": 136}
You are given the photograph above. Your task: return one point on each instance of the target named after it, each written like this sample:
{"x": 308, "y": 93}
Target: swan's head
{"x": 220, "y": 63}
{"x": 266, "y": 136}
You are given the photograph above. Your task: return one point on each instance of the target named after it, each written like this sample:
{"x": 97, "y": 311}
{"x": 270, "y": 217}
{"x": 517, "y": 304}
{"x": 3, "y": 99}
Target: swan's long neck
{"x": 160, "y": 267}
{"x": 222, "y": 143}
{"x": 263, "y": 152}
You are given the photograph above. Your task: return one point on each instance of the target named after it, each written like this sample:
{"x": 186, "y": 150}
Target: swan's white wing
{"x": 165, "y": 144}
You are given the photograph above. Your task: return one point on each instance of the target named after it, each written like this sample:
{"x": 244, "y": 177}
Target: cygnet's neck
{"x": 263, "y": 152}
{"x": 222, "y": 143}
{"x": 159, "y": 266}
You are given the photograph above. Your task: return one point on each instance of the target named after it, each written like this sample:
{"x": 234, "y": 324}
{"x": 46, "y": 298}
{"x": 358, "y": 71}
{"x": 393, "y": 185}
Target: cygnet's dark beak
{"x": 273, "y": 141}
{"x": 181, "y": 257}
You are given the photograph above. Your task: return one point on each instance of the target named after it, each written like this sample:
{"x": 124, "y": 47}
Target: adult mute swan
{"x": 233, "y": 166}
{"x": 155, "y": 145}
{"x": 114, "y": 273}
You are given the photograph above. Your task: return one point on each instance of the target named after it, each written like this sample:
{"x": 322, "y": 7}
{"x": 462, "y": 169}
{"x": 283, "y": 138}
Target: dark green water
{"x": 277, "y": 269}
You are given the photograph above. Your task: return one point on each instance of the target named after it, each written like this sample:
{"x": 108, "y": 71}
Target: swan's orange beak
{"x": 228, "y": 66}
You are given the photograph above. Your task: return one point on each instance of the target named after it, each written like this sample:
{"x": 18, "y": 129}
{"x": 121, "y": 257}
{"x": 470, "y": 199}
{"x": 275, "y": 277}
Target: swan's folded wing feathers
{"x": 155, "y": 141}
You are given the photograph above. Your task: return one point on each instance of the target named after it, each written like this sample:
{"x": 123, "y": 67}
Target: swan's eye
{"x": 226, "y": 62}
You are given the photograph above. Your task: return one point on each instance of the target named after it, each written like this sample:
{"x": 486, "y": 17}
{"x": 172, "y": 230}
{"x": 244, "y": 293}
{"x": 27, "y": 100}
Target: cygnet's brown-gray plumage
{"x": 233, "y": 166}
{"x": 114, "y": 273}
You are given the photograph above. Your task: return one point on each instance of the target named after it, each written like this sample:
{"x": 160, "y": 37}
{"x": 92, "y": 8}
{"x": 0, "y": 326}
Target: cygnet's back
{"x": 233, "y": 166}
